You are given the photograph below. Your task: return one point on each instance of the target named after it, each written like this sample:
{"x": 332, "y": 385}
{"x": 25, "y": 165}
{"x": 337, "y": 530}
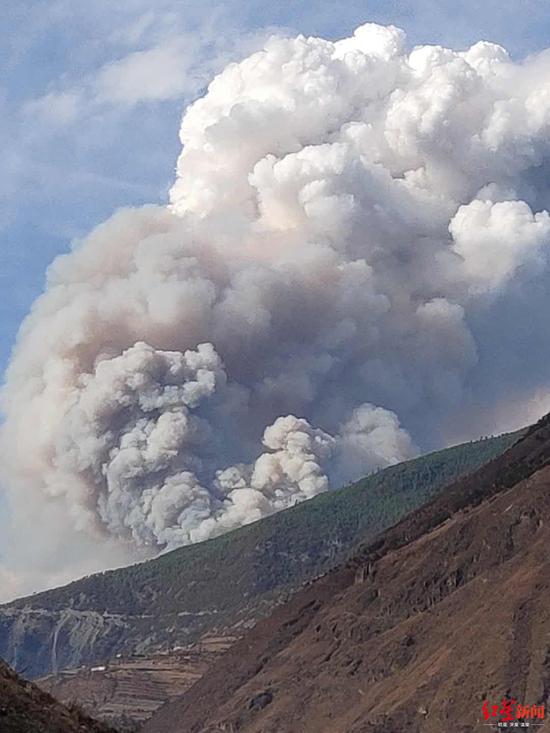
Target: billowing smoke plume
{"x": 349, "y": 222}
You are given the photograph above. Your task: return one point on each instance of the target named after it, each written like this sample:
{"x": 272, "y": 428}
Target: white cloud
{"x": 496, "y": 239}
{"x": 156, "y": 74}
{"x": 176, "y": 67}
{"x": 55, "y": 108}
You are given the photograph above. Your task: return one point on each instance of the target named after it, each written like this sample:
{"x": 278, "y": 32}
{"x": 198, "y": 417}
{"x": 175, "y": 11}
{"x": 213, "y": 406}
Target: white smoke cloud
{"x": 496, "y": 239}
{"x": 372, "y": 437}
{"x": 348, "y": 223}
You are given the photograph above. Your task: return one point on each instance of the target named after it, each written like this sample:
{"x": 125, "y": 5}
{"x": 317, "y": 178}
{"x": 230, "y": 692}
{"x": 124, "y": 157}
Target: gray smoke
{"x": 350, "y": 222}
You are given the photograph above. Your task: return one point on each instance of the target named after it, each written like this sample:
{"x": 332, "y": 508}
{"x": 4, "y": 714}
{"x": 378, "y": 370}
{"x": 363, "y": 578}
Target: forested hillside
{"x": 229, "y": 580}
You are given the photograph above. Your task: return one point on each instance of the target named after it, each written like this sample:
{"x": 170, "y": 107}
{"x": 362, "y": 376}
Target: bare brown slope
{"x": 449, "y": 607}
{"x": 24, "y": 708}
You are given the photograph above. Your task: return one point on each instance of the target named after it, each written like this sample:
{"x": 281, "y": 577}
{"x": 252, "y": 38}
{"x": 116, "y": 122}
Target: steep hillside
{"x": 24, "y": 708}
{"x": 446, "y": 610}
{"x": 230, "y": 580}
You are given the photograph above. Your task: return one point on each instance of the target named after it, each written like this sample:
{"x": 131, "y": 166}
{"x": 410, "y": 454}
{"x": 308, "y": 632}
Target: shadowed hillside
{"x": 24, "y": 708}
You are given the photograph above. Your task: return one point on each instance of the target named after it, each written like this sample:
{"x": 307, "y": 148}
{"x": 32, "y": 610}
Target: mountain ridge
{"x": 206, "y": 587}
{"x": 386, "y": 641}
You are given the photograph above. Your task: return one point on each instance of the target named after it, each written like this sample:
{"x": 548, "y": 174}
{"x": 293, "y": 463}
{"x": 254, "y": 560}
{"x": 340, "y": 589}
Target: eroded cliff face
{"x": 37, "y": 640}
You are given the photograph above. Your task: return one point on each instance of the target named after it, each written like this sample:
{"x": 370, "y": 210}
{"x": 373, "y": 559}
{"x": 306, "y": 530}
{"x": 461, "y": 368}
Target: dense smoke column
{"x": 348, "y": 223}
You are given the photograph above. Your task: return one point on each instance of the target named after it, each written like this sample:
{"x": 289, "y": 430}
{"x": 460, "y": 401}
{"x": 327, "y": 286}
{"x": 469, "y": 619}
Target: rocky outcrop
{"x": 36, "y": 639}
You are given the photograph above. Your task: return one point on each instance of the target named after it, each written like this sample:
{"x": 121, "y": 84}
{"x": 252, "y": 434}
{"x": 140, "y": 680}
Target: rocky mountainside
{"x": 224, "y": 583}
{"x": 24, "y": 708}
{"x": 446, "y": 611}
